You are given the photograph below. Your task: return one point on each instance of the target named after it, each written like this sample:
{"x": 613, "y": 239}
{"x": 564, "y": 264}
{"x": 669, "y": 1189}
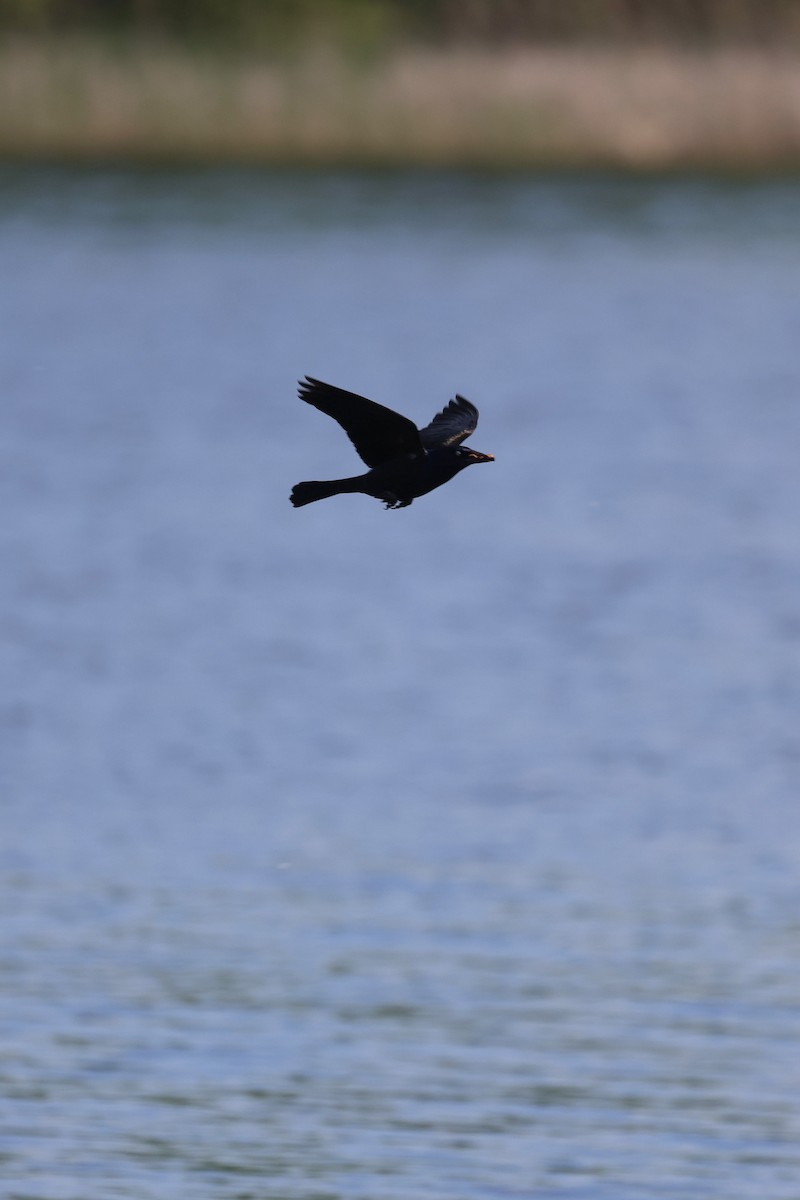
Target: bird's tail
{"x": 314, "y": 489}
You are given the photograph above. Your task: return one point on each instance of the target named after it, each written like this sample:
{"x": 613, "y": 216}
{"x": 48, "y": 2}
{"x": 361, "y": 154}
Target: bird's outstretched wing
{"x": 377, "y": 433}
{"x": 452, "y": 425}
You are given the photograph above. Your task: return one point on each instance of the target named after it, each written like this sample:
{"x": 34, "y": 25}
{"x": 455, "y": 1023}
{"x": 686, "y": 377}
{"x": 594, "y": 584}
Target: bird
{"x": 404, "y": 462}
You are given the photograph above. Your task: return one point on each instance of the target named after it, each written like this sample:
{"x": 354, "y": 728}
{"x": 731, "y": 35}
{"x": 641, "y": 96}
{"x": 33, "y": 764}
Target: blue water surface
{"x": 441, "y": 854}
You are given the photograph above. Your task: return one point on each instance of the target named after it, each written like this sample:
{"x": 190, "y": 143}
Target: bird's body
{"x": 405, "y": 462}
{"x": 396, "y": 482}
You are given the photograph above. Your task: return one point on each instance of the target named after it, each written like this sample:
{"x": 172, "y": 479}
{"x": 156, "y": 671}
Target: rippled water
{"x": 443, "y": 853}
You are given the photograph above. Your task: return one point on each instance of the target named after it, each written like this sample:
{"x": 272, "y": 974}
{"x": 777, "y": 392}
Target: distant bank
{"x": 646, "y": 108}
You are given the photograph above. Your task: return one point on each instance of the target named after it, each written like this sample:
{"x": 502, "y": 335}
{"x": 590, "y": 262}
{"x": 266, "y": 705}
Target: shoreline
{"x": 642, "y": 109}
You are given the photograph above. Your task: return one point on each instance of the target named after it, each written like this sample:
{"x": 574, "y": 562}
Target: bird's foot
{"x": 392, "y": 501}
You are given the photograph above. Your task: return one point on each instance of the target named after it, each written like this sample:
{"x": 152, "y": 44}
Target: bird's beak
{"x": 476, "y": 456}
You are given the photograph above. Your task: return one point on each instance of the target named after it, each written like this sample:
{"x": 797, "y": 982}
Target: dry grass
{"x": 647, "y": 108}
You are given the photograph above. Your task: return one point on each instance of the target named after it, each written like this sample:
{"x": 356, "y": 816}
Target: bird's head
{"x": 467, "y": 456}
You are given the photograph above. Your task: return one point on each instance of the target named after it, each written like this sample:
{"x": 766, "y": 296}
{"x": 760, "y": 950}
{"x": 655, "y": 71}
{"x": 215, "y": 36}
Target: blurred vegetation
{"x": 642, "y": 84}
{"x": 276, "y": 25}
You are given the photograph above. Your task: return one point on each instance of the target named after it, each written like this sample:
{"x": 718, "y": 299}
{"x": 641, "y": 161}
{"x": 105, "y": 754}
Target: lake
{"x": 448, "y": 853}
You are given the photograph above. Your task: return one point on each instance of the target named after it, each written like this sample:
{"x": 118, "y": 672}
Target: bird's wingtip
{"x": 306, "y": 385}
{"x": 464, "y": 405}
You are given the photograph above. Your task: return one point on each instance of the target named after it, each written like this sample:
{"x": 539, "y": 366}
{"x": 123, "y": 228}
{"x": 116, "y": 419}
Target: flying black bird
{"x": 405, "y": 462}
